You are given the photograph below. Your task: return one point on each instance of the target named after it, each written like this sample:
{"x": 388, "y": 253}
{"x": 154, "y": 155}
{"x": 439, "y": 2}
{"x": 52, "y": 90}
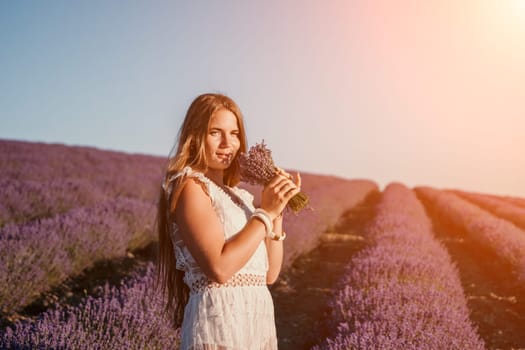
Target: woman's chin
{"x": 220, "y": 165}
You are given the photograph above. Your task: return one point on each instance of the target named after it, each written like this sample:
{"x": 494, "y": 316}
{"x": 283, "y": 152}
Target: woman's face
{"x": 222, "y": 140}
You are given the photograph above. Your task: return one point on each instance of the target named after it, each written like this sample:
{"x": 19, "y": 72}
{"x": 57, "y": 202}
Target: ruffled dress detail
{"x": 238, "y": 314}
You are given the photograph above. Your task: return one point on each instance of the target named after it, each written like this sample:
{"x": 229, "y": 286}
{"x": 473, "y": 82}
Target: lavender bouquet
{"x": 258, "y": 168}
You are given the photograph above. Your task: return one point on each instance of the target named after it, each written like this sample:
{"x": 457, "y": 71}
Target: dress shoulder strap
{"x": 189, "y": 172}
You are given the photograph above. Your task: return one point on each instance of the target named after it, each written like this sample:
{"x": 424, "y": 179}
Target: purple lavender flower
{"x": 129, "y": 316}
{"x": 258, "y": 168}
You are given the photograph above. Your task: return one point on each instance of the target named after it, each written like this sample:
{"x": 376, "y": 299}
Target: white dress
{"x": 238, "y": 314}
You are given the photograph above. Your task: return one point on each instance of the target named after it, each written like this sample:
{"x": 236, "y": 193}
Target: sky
{"x": 426, "y": 93}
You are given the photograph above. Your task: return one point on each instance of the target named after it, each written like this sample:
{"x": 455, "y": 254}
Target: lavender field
{"x": 435, "y": 268}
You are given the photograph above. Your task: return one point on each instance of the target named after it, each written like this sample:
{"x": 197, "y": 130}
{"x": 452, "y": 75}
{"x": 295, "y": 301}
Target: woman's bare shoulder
{"x": 192, "y": 192}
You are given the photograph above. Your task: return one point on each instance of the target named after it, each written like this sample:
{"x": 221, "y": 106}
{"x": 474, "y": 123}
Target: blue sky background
{"x": 424, "y": 93}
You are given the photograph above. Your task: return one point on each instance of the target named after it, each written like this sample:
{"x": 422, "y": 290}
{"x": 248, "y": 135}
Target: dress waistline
{"x": 240, "y": 280}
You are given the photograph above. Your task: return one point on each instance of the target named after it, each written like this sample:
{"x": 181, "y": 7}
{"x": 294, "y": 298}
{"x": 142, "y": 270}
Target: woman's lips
{"x": 224, "y": 156}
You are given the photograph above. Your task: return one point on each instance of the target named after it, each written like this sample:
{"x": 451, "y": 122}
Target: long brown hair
{"x": 191, "y": 152}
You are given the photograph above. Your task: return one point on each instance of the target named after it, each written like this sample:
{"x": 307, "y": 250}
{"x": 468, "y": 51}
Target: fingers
{"x": 276, "y": 179}
{"x": 296, "y": 183}
{"x": 297, "y": 179}
{"x": 278, "y": 192}
{"x": 292, "y": 191}
{"x": 290, "y": 182}
{"x": 282, "y": 184}
{"x": 284, "y": 173}
{"x": 286, "y": 190}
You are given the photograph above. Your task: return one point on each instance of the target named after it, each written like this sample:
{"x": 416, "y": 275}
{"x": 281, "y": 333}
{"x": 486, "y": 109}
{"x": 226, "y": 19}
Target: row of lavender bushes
{"x": 92, "y": 170}
{"x": 38, "y": 255}
{"x": 497, "y": 206}
{"x": 519, "y": 201}
{"x": 105, "y": 322}
{"x": 27, "y": 200}
{"x": 128, "y": 317}
{"x": 63, "y": 208}
{"x": 496, "y": 234}
{"x": 403, "y": 291}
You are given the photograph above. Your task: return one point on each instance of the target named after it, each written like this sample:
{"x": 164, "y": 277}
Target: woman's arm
{"x": 275, "y": 248}
{"x": 275, "y": 251}
{"x": 203, "y": 234}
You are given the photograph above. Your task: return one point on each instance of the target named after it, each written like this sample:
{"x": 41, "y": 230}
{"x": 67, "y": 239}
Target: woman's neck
{"x": 216, "y": 176}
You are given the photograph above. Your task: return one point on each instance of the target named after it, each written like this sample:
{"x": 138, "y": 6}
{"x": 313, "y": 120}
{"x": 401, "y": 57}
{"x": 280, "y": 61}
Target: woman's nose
{"x": 225, "y": 140}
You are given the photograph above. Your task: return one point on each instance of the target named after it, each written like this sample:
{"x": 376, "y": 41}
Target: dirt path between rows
{"x": 496, "y": 300}
{"x": 302, "y": 293}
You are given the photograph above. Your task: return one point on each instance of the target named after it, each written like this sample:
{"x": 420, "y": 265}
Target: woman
{"x": 217, "y": 253}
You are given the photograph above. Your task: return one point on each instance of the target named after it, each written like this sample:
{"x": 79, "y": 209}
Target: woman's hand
{"x": 278, "y": 192}
{"x": 297, "y": 180}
